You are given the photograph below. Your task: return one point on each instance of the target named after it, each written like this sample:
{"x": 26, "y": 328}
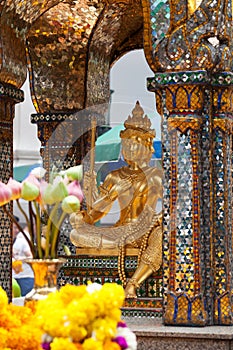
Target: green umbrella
{"x": 22, "y": 171}
{"x": 108, "y": 145}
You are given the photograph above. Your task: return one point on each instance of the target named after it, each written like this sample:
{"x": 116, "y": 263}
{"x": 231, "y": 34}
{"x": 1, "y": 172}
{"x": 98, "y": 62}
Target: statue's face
{"x": 137, "y": 150}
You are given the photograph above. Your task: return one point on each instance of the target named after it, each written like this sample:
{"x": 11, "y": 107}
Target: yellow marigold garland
{"x": 16, "y": 327}
{"x": 73, "y": 318}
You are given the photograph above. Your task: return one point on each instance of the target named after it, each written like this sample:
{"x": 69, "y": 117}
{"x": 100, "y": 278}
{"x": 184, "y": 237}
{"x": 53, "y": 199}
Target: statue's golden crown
{"x": 138, "y": 122}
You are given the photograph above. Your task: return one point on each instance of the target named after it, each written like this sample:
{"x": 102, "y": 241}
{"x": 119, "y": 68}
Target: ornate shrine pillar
{"x": 197, "y": 200}
{"x": 181, "y": 100}
{"x": 9, "y": 96}
{"x": 222, "y": 197}
{"x": 15, "y": 20}
{"x": 192, "y": 60}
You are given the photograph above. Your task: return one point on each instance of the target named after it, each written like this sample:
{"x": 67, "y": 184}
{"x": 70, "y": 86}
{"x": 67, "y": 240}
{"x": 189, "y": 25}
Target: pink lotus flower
{"x": 5, "y": 194}
{"x": 74, "y": 189}
{"x": 15, "y": 188}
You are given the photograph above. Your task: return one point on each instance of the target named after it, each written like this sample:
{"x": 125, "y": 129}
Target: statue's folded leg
{"x": 86, "y": 240}
{"x": 85, "y": 235}
{"x": 151, "y": 261}
{"x": 92, "y": 239}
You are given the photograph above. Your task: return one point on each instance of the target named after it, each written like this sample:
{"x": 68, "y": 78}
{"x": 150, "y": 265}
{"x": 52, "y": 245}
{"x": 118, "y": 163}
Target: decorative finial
{"x": 138, "y": 122}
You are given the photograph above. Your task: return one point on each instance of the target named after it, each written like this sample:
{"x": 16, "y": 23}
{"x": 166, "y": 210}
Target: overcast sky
{"x": 128, "y": 80}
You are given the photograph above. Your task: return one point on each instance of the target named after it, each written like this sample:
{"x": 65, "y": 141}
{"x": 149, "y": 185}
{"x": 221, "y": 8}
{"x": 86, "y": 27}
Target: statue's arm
{"x": 155, "y": 190}
{"x": 101, "y": 206}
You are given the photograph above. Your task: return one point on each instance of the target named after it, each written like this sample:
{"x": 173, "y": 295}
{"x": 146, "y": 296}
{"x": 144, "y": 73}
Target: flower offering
{"x": 73, "y": 318}
{"x": 48, "y": 205}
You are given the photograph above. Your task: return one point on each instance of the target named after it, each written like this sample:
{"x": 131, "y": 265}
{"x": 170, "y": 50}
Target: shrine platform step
{"x": 152, "y": 335}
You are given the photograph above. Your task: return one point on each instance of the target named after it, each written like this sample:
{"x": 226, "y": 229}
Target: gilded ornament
{"x": 224, "y": 125}
{"x": 183, "y": 124}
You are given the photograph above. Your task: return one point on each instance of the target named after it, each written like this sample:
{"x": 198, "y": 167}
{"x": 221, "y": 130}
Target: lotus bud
{"x": 74, "y": 189}
{"x": 29, "y": 191}
{"x": 5, "y": 194}
{"x": 74, "y": 173}
{"x": 70, "y": 204}
{"x": 15, "y": 187}
{"x": 59, "y": 191}
{"x": 47, "y": 196}
{"x": 32, "y": 179}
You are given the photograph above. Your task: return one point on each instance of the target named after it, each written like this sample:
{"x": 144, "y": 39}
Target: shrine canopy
{"x": 108, "y": 146}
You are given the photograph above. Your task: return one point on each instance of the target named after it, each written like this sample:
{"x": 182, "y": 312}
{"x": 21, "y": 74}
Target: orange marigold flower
{"x": 31, "y": 304}
{"x": 110, "y": 345}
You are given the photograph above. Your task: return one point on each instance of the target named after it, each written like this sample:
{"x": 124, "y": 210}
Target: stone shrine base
{"x": 153, "y": 335}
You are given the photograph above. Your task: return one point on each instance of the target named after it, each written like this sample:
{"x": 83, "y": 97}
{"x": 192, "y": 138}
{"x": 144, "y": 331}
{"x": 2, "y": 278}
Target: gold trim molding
{"x": 183, "y": 124}
{"x": 225, "y": 125}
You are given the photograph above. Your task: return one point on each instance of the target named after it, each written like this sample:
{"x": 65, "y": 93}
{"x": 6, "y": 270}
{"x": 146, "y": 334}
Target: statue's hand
{"x": 119, "y": 188}
{"x": 123, "y": 185}
{"x": 76, "y": 220}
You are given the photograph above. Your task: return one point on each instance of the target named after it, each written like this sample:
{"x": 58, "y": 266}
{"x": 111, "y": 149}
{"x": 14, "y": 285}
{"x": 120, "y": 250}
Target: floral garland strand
{"x": 85, "y": 318}
{"x": 73, "y": 318}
